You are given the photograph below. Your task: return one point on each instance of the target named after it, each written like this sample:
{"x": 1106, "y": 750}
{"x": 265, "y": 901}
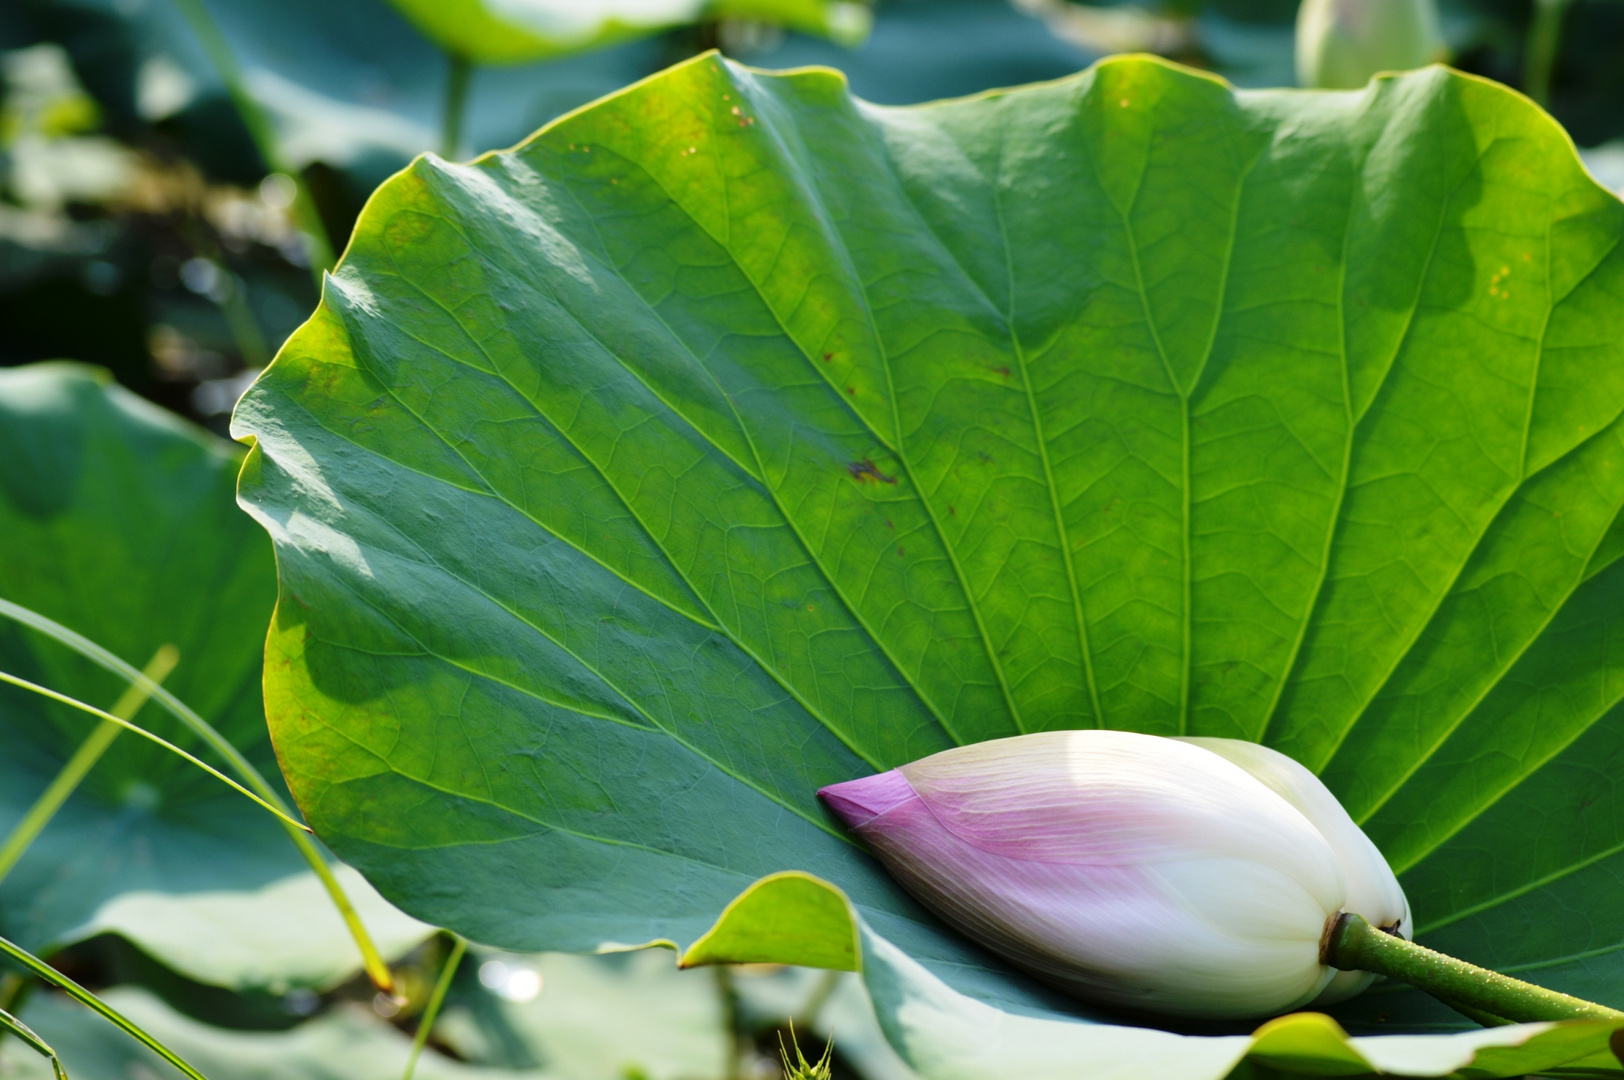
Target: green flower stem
{"x": 1354, "y": 945}
{"x": 261, "y": 131}
{"x": 78, "y": 993}
{"x": 83, "y": 760}
{"x": 819, "y": 997}
{"x": 431, "y": 1011}
{"x": 732, "y": 1023}
{"x": 376, "y": 967}
{"x": 245, "y": 331}
{"x": 1540, "y": 50}
{"x": 456, "y": 104}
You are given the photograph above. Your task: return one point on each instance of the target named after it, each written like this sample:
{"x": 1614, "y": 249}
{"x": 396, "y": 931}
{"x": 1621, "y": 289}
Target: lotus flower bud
{"x": 1373, "y": 891}
{"x": 1342, "y": 43}
{"x": 1184, "y": 877}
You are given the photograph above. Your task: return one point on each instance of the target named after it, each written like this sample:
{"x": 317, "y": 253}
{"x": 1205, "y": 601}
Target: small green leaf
{"x": 732, "y": 437}
{"x": 788, "y": 918}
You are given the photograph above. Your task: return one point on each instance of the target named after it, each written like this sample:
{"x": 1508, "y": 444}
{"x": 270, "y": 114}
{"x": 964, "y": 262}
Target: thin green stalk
{"x": 49, "y": 974}
{"x": 456, "y": 104}
{"x": 431, "y": 1012}
{"x": 377, "y": 970}
{"x": 34, "y": 1042}
{"x": 15, "y": 989}
{"x": 819, "y": 997}
{"x": 83, "y": 760}
{"x": 261, "y": 130}
{"x": 1540, "y": 50}
{"x": 1352, "y": 944}
{"x": 728, "y": 995}
{"x": 44, "y": 691}
{"x": 244, "y": 327}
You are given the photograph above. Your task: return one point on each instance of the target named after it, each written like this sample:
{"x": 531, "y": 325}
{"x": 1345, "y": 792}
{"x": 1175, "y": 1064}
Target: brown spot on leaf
{"x": 904, "y": 554}
{"x": 1004, "y": 371}
{"x": 865, "y": 472}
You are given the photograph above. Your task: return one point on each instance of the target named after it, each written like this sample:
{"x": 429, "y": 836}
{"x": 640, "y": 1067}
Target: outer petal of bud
{"x": 1136, "y": 871}
{"x": 1373, "y": 891}
{"x": 1342, "y": 43}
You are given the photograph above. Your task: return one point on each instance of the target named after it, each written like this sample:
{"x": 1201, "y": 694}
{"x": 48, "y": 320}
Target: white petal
{"x": 1373, "y": 890}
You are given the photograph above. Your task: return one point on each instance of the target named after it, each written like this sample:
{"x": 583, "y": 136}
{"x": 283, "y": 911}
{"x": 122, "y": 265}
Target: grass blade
{"x": 376, "y": 968}
{"x": 83, "y": 760}
{"x": 26, "y": 1034}
{"x": 431, "y": 1012}
{"x": 7, "y": 677}
{"x": 78, "y": 993}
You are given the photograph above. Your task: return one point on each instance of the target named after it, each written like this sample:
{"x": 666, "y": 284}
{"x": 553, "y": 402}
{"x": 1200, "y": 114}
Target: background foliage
{"x": 160, "y": 215}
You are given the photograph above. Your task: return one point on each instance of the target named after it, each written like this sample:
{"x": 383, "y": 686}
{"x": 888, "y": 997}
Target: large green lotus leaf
{"x": 117, "y": 520}
{"x": 514, "y": 31}
{"x": 733, "y": 437}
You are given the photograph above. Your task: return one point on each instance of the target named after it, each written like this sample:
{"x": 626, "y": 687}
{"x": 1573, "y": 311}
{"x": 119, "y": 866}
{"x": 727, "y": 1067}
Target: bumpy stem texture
{"x": 1354, "y": 945}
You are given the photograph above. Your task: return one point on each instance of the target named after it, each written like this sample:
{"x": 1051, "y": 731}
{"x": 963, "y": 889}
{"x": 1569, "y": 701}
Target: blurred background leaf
{"x": 141, "y": 228}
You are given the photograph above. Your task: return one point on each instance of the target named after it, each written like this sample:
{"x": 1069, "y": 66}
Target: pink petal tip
{"x": 857, "y": 802}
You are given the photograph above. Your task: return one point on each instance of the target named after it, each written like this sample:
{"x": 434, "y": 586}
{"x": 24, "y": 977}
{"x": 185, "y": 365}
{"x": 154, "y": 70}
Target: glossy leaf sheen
{"x": 733, "y": 437}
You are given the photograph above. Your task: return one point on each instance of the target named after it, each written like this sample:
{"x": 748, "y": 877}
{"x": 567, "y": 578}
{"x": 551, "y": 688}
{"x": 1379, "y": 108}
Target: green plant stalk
{"x": 819, "y": 997}
{"x": 1352, "y": 944}
{"x": 34, "y": 1042}
{"x": 456, "y": 104}
{"x": 15, "y": 990}
{"x": 244, "y": 329}
{"x": 261, "y": 130}
{"x": 431, "y": 1012}
{"x": 1540, "y": 49}
{"x": 7, "y": 677}
{"x": 377, "y": 969}
{"x": 78, "y": 993}
{"x": 728, "y": 995}
{"x": 83, "y": 760}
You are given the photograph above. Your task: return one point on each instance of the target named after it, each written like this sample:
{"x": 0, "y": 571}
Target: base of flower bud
{"x": 1352, "y": 944}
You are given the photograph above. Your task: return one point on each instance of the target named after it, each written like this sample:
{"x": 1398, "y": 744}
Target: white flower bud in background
{"x": 1192, "y": 878}
{"x": 1342, "y": 43}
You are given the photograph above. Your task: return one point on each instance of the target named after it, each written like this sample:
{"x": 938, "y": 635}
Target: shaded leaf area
{"x": 734, "y": 437}
{"x": 116, "y": 520}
